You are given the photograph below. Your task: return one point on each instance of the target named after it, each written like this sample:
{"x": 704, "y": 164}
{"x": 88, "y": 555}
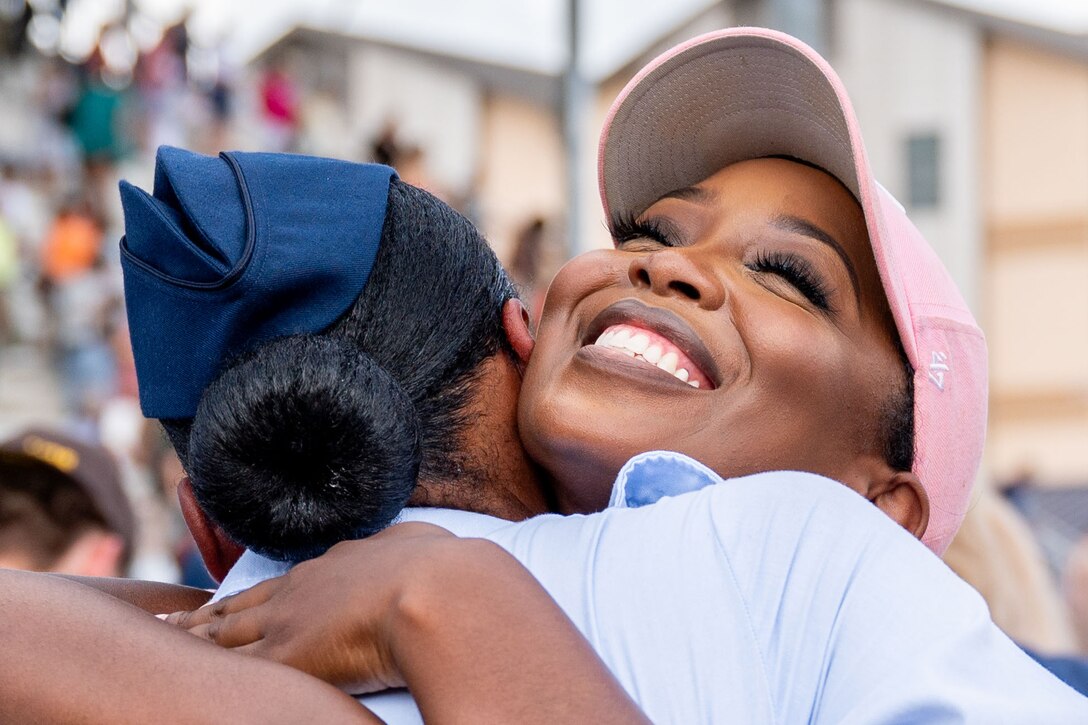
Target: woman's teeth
{"x": 639, "y": 346}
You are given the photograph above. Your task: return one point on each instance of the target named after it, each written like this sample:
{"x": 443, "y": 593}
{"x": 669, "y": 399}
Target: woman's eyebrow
{"x": 796, "y": 225}
{"x": 689, "y": 193}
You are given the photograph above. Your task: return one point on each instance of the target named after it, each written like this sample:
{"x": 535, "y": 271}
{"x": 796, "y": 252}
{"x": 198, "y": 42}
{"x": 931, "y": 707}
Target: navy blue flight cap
{"x": 232, "y": 251}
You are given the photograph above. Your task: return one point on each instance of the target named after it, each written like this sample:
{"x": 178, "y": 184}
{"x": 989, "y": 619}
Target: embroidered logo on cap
{"x": 938, "y": 366}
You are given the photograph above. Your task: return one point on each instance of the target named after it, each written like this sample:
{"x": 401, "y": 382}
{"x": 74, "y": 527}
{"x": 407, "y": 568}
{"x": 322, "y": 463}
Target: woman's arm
{"x": 461, "y": 622}
{"x": 69, "y": 653}
{"x": 477, "y": 614}
{"x": 153, "y": 597}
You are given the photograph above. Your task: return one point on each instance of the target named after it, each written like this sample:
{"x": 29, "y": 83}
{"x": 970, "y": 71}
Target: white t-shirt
{"x": 781, "y": 597}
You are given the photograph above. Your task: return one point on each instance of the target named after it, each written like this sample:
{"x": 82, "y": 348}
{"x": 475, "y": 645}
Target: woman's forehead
{"x": 777, "y": 181}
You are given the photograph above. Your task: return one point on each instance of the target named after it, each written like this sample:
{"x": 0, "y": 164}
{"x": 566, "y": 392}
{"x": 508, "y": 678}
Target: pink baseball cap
{"x": 746, "y": 93}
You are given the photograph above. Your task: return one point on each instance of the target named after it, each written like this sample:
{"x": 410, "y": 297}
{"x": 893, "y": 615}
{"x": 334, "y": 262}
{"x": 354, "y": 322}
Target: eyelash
{"x": 627, "y": 229}
{"x": 795, "y": 270}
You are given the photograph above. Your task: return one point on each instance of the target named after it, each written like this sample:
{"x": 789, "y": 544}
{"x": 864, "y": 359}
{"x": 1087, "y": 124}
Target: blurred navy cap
{"x": 234, "y": 250}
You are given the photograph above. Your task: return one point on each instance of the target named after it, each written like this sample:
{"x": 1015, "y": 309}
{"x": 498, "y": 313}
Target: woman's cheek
{"x": 582, "y": 276}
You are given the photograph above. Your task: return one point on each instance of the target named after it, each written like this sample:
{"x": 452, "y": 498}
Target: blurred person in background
{"x": 534, "y": 261}
{"x": 1075, "y": 584}
{"x": 83, "y": 300}
{"x": 25, "y": 215}
{"x": 221, "y": 103}
{"x": 94, "y": 118}
{"x": 99, "y": 120}
{"x": 62, "y": 508}
{"x": 385, "y": 149}
{"x": 410, "y": 160}
{"x": 161, "y": 82}
{"x": 280, "y": 107}
{"x": 997, "y": 554}
{"x": 74, "y": 242}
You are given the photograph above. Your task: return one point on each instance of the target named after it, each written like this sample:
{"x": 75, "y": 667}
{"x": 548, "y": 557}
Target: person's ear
{"x": 515, "y": 322}
{"x": 217, "y": 549}
{"x": 903, "y": 498}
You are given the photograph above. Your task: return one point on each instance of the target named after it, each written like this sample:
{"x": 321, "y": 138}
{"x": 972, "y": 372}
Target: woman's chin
{"x": 579, "y": 455}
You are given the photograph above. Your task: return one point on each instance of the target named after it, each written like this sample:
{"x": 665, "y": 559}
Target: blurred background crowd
{"x": 975, "y": 114}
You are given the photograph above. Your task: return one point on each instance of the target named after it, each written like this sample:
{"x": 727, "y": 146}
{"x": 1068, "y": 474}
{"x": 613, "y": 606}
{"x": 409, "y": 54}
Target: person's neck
{"x": 498, "y": 479}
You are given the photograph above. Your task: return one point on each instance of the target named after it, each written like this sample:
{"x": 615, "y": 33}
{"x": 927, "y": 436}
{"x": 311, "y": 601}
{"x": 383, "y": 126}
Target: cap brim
{"x": 733, "y": 95}
{"x": 720, "y": 98}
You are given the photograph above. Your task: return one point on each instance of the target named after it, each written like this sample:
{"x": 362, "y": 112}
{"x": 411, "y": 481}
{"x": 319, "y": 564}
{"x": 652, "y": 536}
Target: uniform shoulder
{"x": 783, "y": 494}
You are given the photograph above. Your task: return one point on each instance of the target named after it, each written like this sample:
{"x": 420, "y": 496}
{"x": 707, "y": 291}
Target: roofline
{"x": 664, "y": 40}
{"x": 656, "y": 44}
{"x": 1068, "y": 44}
{"x": 525, "y": 82}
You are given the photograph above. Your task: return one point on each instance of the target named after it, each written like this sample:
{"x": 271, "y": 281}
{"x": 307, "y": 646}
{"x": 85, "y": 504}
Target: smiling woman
{"x": 742, "y": 202}
{"x": 762, "y": 279}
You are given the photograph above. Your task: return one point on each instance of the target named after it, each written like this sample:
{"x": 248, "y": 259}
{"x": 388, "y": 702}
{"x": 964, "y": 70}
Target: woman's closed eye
{"x": 637, "y": 235}
{"x": 797, "y": 272}
{"x": 649, "y": 234}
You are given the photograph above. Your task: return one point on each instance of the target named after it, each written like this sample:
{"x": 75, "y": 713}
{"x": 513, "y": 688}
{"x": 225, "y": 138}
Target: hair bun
{"x": 302, "y": 443}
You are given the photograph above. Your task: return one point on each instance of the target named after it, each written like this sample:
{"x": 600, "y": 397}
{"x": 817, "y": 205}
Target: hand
{"x": 332, "y": 616}
{"x": 459, "y": 621}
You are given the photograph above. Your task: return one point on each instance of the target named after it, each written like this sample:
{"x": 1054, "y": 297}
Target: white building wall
{"x": 912, "y": 69}
{"x": 521, "y": 169}
{"x": 434, "y": 108}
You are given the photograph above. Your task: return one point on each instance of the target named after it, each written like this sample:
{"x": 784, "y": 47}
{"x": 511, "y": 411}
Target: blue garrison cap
{"x": 232, "y": 251}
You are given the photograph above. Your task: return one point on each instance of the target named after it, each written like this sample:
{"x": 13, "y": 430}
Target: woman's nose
{"x": 674, "y": 272}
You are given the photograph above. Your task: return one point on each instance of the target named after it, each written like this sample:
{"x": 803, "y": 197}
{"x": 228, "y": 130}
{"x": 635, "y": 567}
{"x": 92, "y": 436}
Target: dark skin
{"x": 73, "y": 653}
{"x": 153, "y": 597}
{"x": 799, "y": 368}
{"x": 514, "y": 487}
{"x": 374, "y": 634}
{"x": 795, "y": 371}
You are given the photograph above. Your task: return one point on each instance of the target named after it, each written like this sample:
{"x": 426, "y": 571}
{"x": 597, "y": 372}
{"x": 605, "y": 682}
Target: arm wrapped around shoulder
{"x": 302, "y": 443}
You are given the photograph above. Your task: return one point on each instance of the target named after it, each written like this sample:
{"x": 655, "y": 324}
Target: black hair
{"x": 42, "y": 510}
{"x": 312, "y": 439}
{"x": 319, "y": 428}
{"x": 896, "y": 427}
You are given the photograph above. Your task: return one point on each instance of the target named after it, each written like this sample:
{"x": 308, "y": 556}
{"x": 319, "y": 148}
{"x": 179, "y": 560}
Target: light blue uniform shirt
{"x": 775, "y": 598}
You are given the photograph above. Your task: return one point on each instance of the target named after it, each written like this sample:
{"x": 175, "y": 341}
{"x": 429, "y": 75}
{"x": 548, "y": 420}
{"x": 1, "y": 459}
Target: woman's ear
{"x": 515, "y": 321}
{"x": 217, "y": 550}
{"x": 902, "y": 497}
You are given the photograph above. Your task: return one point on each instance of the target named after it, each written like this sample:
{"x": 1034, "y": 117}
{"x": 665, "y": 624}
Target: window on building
{"x": 923, "y": 169}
